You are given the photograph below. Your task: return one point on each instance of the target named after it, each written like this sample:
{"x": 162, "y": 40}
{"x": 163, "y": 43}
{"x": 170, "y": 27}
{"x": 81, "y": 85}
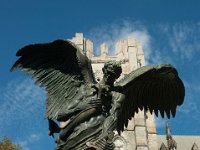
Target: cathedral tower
{"x": 141, "y": 131}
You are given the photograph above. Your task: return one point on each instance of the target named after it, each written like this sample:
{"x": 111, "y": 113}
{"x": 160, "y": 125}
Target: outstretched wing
{"x": 154, "y": 88}
{"x": 60, "y": 67}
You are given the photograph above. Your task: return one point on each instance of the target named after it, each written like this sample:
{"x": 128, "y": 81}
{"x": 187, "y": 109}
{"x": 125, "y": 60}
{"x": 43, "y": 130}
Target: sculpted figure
{"x": 91, "y": 111}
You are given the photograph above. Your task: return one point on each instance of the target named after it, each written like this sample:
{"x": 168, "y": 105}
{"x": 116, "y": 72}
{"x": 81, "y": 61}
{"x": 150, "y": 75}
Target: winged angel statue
{"x": 92, "y": 111}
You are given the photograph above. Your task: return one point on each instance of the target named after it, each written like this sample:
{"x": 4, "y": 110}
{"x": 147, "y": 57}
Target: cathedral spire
{"x": 168, "y": 131}
{"x": 171, "y": 143}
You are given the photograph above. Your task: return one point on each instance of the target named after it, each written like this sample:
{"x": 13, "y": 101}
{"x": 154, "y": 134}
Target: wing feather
{"x": 58, "y": 66}
{"x": 153, "y": 88}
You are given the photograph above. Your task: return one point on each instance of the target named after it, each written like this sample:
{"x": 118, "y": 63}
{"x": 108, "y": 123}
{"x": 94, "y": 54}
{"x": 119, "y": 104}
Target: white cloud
{"x": 20, "y": 100}
{"x": 190, "y": 108}
{"x": 183, "y": 39}
{"x": 118, "y": 31}
{"x": 180, "y": 41}
{"x": 157, "y": 57}
{"x": 182, "y": 47}
{"x": 177, "y": 44}
{"x": 191, "y": 104}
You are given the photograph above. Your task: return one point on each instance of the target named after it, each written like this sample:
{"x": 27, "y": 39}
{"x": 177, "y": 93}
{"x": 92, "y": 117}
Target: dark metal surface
{"x": 94, "y": 110}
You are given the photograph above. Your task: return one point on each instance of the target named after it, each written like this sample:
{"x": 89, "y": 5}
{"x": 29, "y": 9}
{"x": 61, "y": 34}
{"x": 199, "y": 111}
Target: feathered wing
{"x": 61, "y": 68}
{"x": 154, "y": 88}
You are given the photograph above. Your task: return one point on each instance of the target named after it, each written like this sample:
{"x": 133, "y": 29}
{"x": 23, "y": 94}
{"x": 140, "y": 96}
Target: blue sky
{"x": 169, "y": 31}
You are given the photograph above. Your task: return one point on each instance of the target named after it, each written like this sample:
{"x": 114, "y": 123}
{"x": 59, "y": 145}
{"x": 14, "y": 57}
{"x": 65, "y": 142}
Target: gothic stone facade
{"x": 141, "y": 131}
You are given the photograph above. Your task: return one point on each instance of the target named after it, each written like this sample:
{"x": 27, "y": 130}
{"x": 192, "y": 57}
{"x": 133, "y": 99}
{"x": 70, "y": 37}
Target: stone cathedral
{"x": 141, "y": 131}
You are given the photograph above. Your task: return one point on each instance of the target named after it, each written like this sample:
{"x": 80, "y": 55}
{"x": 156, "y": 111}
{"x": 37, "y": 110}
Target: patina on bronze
{"x": 91, "y": 110}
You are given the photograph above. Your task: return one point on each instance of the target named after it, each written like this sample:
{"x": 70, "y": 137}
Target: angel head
{"x": 111, "y": 70}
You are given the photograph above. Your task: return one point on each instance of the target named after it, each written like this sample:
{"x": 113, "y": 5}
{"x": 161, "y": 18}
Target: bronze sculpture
{"x": 93, "y": 110}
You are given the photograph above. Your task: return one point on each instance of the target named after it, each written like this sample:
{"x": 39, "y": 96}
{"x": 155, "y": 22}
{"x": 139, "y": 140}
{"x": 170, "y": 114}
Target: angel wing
{"x": 154, "y": 88}
{"x": 61, "y": 68}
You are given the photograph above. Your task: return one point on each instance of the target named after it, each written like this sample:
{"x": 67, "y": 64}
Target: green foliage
{"x": 6, "y": 144}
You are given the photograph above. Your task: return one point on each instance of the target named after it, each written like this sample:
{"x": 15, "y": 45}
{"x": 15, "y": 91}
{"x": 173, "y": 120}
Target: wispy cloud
{"x": 191, "y": 103}
{"x": 21, "y": 103}
{"x": 111, "y": 33}
{"x": 177, "y": 44}
{"x": 182, "y": 48}
{"x": 179, "y": 40}
{"x": 182, "y": 39}
{"x": 22, "y": 112}
{"x": 190, "y": 108}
